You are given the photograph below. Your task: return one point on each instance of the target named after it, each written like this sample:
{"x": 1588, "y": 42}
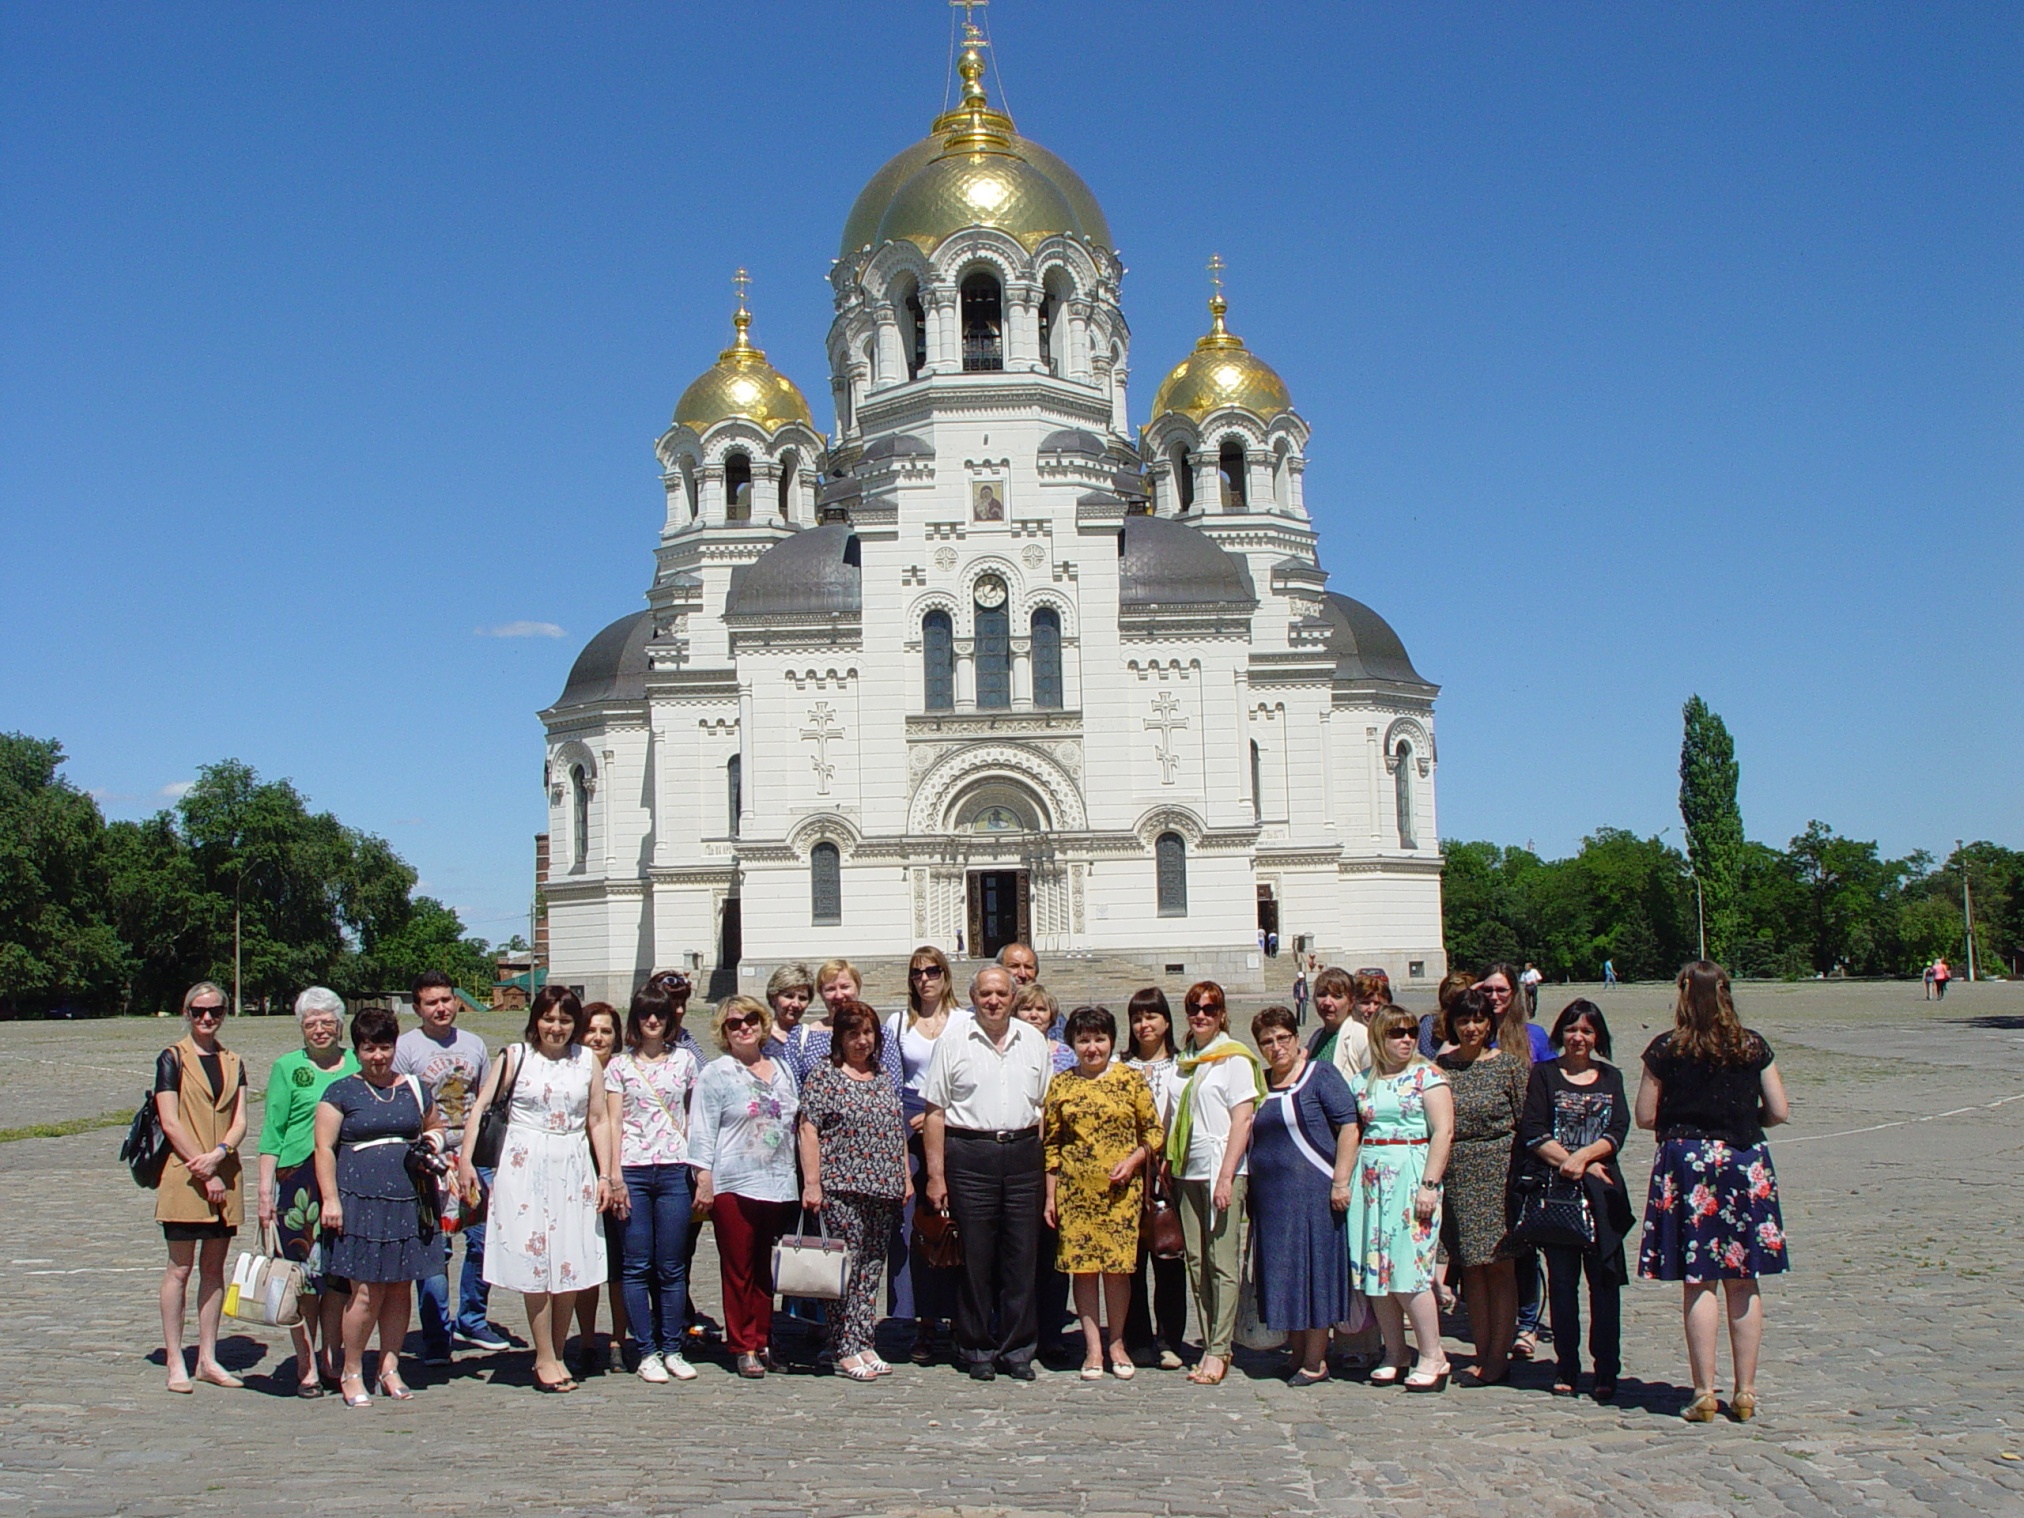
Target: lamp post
{"x": 1967, "y": 906}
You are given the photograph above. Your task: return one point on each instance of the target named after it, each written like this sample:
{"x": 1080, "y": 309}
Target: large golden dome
{"x": 973, "y": 169}
{"x": 742, "y": 384}
{"x": 1222, "y": 372}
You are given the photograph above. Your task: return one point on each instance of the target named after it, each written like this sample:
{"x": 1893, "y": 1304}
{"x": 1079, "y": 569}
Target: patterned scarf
{"x": 1221, "y": 1047}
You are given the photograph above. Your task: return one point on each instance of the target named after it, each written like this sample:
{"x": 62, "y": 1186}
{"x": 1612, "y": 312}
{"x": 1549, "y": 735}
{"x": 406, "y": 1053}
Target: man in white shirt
{"x": 983, "y": 1094}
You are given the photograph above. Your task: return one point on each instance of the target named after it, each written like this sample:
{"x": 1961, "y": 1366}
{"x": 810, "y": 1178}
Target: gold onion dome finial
{"x": 1221, "y": 371}
{"x": 973, "y": 169}
{"x": 741, "y": 383}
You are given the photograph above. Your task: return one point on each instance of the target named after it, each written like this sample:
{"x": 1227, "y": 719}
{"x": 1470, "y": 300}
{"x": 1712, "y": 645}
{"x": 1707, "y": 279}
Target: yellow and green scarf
{"x": 1221, "y": 1047}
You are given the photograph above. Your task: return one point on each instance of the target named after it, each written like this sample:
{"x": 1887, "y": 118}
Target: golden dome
{"x": 1222, "y": 372}
{"x": 973, "y": 169}
{"x": 742, "y": 384}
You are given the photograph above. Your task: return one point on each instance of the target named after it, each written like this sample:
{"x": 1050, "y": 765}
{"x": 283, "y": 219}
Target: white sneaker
{"x": 651, "y": 1369}
{"x": 678, "y": 1367}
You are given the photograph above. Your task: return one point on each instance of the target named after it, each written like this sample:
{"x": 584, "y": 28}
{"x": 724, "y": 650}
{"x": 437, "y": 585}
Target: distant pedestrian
{"x": 1928, "y": 977}
{"x": 1300, "y": 996}
{"x": 1942, "y": 973}
{"x": 200, "y": 1101}
{"x": 1609, "y": 972}
{"x": 1711, "y": 1087}
{"x": 1529, "y": 978}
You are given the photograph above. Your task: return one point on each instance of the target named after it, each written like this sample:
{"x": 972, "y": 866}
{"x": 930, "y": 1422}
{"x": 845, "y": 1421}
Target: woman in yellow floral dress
{"x": 1101, "y": 1130}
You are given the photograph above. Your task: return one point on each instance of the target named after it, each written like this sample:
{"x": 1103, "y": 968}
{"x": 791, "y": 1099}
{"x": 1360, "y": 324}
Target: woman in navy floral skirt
{"x": 1711, "y": 1088}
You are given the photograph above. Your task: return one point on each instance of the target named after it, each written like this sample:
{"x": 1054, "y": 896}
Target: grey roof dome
{"x": 1164, "y": 563}
{"x": 1073, "y": 440}
{"x": 898, "y": 445}
{"x": 1364, "y": 645}
{"x": 613, "y": 665}
{"x": 814, "y": 572}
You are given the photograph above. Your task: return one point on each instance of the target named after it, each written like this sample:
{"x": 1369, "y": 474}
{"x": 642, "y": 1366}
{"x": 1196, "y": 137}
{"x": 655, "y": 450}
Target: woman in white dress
{"x": 921, "y": 1291}
{"x": 543, "y": 1239}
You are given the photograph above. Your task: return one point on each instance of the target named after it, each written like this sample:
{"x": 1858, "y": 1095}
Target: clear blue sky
{"x": 1648, "y": 350}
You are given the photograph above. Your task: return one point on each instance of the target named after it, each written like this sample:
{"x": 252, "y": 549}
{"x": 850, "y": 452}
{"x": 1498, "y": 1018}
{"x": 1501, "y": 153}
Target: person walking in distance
{"x": 450, "y": 1062}
{"x": 983, "y": 1095}
{"x": 1942, "y": 973}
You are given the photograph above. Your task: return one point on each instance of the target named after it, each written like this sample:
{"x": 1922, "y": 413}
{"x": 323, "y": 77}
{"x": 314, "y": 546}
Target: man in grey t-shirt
{"x": 450, "y": 1063}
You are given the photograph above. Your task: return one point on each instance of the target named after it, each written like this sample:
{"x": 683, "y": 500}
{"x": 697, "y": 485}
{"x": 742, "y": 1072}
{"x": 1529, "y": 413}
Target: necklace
{"x": 392, "y": 1091}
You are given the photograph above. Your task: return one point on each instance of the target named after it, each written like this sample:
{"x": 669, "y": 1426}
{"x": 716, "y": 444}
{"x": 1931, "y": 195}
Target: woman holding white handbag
{"x": 853, "y": 1138}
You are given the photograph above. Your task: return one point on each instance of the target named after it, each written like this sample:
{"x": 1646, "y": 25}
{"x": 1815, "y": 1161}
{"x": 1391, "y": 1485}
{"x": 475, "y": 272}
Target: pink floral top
{"x": 654, "y": 1126}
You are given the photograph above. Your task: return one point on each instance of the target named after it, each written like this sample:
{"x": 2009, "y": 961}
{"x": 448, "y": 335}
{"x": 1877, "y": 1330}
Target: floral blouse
{"x": 860, "y": 1132}
{"x": 654, "y": 1122}
{"x": 741, "y": 1130}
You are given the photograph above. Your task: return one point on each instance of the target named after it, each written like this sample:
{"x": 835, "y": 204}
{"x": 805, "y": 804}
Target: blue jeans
{"x": 473, "y": 1294}
{"x": 655, "y": 1276}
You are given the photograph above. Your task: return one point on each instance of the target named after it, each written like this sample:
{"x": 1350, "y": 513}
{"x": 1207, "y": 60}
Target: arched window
{"x": 1282, "y": 481}
{"x": 825, "y": 886}
{"x": 914, "y": 332}
{"x": 1054, "y": 322}
{"x": 1047, "y": 657}
{"x": 983, "y": 307}
{"x": 1257, "y": 782}
{"x": 994, "y": 645}
{"x": 579, "y": 818}
{"x": 1230, "y": 464}
{"x": 1184, "y": 476}
{"x": 737, "y": 488}
{"x": 788, "y": 466}
{"x": 1402, "y": 783}
{"x": 1170, "y": 860}
{"x": 734, "y": 791}
{"x": 689, "y": 488}
{"x": 938, "y": 655}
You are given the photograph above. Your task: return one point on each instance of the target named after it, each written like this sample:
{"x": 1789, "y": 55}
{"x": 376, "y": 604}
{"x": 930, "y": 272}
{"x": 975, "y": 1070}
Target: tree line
{"x": 1824, "y": 904}
{"x": 122, "y": 917}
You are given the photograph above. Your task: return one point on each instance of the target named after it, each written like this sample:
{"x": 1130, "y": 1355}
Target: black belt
{"x": 995, "y": 1135}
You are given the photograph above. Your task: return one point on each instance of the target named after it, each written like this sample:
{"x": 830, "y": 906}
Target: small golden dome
{"x": 1222, "y": 372}
{"x": 742, "y": 384}
{"x": 973, "y": 169}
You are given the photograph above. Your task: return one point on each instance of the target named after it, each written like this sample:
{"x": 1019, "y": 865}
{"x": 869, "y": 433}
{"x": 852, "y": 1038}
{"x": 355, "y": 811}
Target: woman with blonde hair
{"x": 923, "y": 1292}
{"x": 1406, "y": 1118}
{"x": 741, "y": 1143}
{"x": 1711, "y": 1087}
{"x": 200, "y": 1101}
{"x": 838, "y": 983}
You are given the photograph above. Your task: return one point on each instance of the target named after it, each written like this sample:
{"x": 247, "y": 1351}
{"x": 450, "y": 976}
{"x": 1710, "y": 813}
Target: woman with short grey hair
{"x": 789, "y": 990}
{"x": 289, "y": 1202}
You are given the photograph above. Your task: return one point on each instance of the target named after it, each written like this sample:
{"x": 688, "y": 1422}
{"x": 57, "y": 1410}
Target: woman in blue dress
{"x": 1303, "y": 1149}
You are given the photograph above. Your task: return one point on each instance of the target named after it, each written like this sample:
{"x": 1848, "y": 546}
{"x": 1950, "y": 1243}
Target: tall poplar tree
{"x": 1714, "y": 822}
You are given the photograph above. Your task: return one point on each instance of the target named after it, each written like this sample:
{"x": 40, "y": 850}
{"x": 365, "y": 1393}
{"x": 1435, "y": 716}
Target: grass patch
{"x": 67, "y": 1127}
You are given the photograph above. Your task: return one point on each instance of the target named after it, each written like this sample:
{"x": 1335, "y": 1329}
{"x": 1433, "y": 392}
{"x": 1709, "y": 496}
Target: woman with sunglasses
{"x": 200, "y": 1101}
{"x": 741, "y": 1141}
{"x": 1407, "y": 1121}
{"x": 1158, "y": 1320}
{"x": 647, "y": 1086}
{"x": 1206, "y": 1146}
{"x": 921, "y": 1291}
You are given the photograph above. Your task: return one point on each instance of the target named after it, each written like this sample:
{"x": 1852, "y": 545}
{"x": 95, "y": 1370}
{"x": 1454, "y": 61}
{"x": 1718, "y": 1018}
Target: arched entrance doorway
{"x": 999, "y": 815}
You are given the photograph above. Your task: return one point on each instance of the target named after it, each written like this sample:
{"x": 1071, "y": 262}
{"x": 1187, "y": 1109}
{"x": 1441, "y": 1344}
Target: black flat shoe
{"x": 1604, "y": 1391}
{"x": 1022, "y": 1371}
{"x": 983, "y": 1370}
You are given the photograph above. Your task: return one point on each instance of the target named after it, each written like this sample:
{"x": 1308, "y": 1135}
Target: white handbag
{"x": 812, "y": 1265}
{"x": 1252, "y": 1332}
{"x": 265, "y": 1288}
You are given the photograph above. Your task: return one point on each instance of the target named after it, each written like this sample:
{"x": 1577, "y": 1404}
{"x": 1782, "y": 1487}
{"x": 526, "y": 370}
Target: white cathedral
{"x": 989, "y": 665}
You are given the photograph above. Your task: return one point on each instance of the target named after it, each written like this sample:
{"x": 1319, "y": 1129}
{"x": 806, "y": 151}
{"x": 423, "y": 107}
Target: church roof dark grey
{"x": 1364, "y": 645}
{"x": 1165, "y": 563}
{"x": 613, "y": 665}
{"x": 1074, "y": 440}
{"x": 814, "y": 572}
{"x": 898, "y": 445}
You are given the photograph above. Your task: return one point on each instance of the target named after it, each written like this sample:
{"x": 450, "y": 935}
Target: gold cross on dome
{"x": 969, "y": 8}
{"x": 741, "y": 282}
{"x": 1216, "y": 266}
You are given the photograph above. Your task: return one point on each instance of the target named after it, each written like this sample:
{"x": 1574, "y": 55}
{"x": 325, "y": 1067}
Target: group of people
{"x": 983, "y": 1159}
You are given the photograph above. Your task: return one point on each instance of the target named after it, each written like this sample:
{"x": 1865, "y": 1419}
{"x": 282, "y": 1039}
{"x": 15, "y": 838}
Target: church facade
{"x": 989, "y": 664}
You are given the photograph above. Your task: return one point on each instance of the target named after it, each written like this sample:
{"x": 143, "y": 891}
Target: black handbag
{"x": 1553, "y": 1212}
{"x": 490, "y": 1140}
{"x": 146, "y": 1149}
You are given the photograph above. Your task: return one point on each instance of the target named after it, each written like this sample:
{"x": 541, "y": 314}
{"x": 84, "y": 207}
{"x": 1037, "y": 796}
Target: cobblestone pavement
{"x": 1892, "y": 1382}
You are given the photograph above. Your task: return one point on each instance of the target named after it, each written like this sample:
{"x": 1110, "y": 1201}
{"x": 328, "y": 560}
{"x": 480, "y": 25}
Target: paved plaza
{"x": 1892, "y": 1380}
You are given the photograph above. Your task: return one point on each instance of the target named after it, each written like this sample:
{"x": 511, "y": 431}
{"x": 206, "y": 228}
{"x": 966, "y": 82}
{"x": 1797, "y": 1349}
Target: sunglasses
{"x": 738, "y": 1024}
{"x": 926, "y": 972}
{"x": 214, "y": 1014}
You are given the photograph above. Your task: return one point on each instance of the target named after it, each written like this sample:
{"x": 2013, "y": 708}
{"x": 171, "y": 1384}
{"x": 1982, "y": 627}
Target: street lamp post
{"x": 1967, "y": 906}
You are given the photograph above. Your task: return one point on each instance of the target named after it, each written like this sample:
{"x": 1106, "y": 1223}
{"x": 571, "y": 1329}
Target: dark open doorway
{"x": 998, "y": 911}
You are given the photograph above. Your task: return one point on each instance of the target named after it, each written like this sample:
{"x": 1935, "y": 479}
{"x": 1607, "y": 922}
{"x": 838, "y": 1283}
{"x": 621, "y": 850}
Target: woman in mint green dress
{"x": 289, "y": 1201}
{"x": 1407, "y": 1115}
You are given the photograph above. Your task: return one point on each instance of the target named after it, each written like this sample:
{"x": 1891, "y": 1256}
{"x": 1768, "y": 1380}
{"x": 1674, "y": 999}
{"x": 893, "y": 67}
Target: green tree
{"x": 1852, "y": 907}
{"x": 1714, "y": 822}
{"x": 55, "y": 943}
